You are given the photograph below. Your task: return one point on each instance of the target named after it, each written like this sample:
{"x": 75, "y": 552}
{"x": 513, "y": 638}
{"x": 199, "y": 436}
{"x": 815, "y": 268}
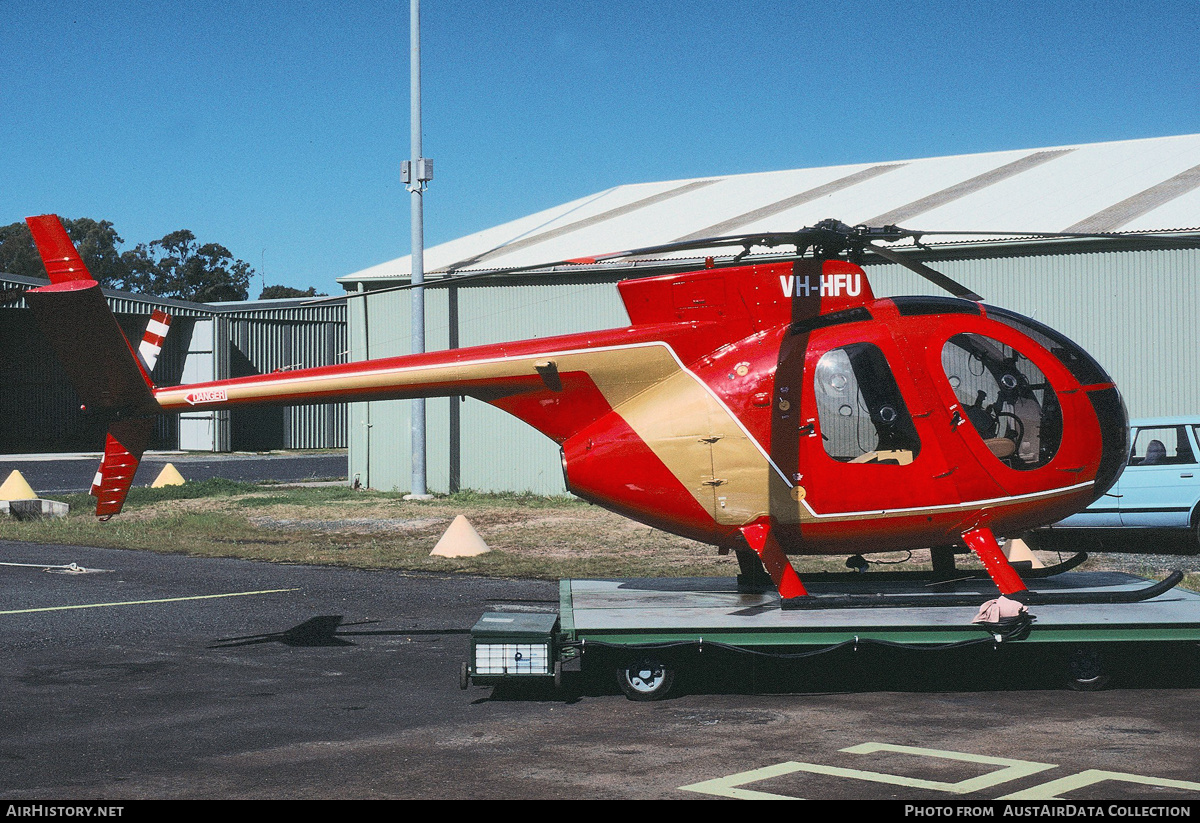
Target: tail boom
{"x": 582, "y": 383}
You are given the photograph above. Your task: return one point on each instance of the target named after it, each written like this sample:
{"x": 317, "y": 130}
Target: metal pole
{"x": 363, "y": 479}
{"x": 417, "y": 187}
{"x": 455, "y": 402}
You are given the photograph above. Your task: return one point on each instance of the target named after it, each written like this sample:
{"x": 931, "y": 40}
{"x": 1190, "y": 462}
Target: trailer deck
{"x": 642, "y": 628}
{"x": 712, "y": 609}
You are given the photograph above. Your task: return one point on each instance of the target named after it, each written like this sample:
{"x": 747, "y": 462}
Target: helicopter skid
{"x": 940, "y": 599}
{"x": 928, "y": 578}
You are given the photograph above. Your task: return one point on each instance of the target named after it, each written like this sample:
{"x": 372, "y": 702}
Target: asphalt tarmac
{"x": 50, "y": 474}
{"x": 163, "y": 676}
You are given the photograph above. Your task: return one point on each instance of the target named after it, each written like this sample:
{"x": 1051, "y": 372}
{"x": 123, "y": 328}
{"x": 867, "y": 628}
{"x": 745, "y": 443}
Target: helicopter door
{"x": 865, "y": 453}
{"x": 863, "y": 416}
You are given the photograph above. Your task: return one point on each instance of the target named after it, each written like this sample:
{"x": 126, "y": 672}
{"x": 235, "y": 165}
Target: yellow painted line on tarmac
{"x": 1010, "y": 769}
{"x": 1055, "y": 788}
{"x": 734, "y": 785}
{"x": 145, "y": 602}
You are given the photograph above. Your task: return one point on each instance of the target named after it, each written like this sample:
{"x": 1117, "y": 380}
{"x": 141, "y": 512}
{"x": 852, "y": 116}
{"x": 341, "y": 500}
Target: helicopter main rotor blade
{"x": 747, "y": 241}
{"x": 1172, "y": 239}
{"x": 932, "y": 275}
{"x": 445, "y": 281}
{"x": 828, "y": 239}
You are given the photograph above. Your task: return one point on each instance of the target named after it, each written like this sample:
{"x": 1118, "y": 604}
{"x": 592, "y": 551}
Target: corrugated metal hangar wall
{"x": 39, "y": 411}
{"x": 490, "y": 450}
{"x": 270, "y": 335}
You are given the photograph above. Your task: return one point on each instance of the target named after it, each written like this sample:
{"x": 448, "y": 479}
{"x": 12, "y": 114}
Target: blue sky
{"x": 277, "y": 129}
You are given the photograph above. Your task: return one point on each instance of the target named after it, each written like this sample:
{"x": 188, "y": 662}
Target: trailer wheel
{"x": 645, "y": 679}
{"x": 1086, "y": 669}
{"x": 464, "y": 677}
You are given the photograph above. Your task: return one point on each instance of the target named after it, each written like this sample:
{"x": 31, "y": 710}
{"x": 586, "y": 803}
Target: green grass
{"x": 531, "y": 536}
{"x": 216, "y": 487}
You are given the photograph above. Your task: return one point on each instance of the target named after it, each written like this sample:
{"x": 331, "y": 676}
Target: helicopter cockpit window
{"x": 862, "y": 415}
{"x": 1006, "y": 398}
{"x": 1086, "y": 370}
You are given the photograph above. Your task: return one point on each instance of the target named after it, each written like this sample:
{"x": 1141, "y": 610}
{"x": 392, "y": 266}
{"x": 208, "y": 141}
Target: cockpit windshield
{"x": 1006, "y": 398}
{"x": 1081, "y": 364}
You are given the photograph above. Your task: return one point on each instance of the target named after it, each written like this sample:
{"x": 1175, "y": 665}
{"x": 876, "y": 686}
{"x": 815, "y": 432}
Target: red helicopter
{"x": 770, "y": 409}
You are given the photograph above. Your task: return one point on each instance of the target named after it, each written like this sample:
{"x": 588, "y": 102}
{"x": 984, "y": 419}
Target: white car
{"x": 1154, "y": 505}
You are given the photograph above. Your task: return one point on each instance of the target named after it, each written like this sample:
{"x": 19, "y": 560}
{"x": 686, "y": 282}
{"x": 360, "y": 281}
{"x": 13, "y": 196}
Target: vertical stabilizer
{"x": 111, "y": 379}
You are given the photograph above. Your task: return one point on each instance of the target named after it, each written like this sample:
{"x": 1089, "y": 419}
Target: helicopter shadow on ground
{"x": 325, "y": 630}
{"x": 980, "y": 668}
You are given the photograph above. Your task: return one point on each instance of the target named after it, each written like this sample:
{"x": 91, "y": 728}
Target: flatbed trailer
{"x": 644, "y": 630}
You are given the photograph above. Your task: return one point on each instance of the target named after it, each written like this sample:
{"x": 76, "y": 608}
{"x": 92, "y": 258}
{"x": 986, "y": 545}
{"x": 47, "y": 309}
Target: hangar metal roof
{"x": 1125, "y": 186}
{"x": 329, "y": 309}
